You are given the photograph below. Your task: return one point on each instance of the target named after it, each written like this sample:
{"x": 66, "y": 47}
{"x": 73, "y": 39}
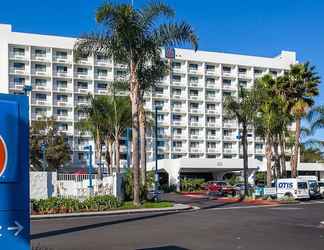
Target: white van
{"x": 292, "y": 187}
{"x": 314, "y": 189}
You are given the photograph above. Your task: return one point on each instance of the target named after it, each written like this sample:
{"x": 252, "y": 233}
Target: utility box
{"x": 14, "y": 172}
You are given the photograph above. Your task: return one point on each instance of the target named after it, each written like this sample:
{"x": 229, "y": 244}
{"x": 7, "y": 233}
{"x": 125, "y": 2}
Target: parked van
{"x": 292, "y": 187}
{"x": 321, "y": 187}
{"x": 314, "y": 189}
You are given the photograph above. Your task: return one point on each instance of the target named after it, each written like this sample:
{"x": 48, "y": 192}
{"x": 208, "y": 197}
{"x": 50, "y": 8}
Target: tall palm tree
{"x": 301, "y": 86}
{"x": 243, "y": 109}
{"x": 134, "y": 37}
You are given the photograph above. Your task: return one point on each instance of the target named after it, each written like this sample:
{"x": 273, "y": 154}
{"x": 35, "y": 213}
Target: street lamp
{"x": 156, "y": 176}
{"x": 89, "y": 156}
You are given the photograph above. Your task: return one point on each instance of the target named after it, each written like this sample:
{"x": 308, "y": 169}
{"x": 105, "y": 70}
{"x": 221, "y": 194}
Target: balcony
{"x": 196, "y": 111}
{"x": 66, "y": 89}
{"x": 64, "y": 74}
{"x": 41, "y": 88}
{"x": 38, "y": 116}
{"x": 160, "y": 95}
{"x": 175, "y": 96}
{"x": 103, "y": 62}
{"x": 259, "y": 151}
{"x": 210, "y": 72}
{"x": 229, "y": 138}
{"x": 179, "y": 136}
{"x": 196, "y": 84}
{"x": 213, "y": 111}
{"x": 244, "y": 76}
{"x": 62, "y": 59}
{"x": 63, "y": 118}
{"x": 179, "y": 123}
{"x": 195, "y": 124}
{"x": 196, "y": 97}
{"x": 229, "y": 74}
{"x": 214, "y": 150}
{"x": 178, "y": 83}
{"x": 40, "y": 102}
{"x": 213, "y": 137}
{"x": 41, "y": 58}
{"x": 229, "y": 151}
{"x": 82, "y": 90}
{"x": 229, "y": 87}
{"x": 82, "y": 133}
{"x": 196, "y": 150}
{"x": 230, "y": 125}
{"x": 63, "y": 104}
{"x": 215, "y": 98}
{"x": 178, "y": 110}
{"x": 102, "y": 91}
{"x": 196, "y": 137}
{"x": 84, "y": 61}
{"x": 16, "y": 86}
{"x": 213, "y": 124}
{"x": 179, "y": 150}
{"x": 194, "y": 71}
{"x": 18, "y": 71}
{"x": 83, "y": 76}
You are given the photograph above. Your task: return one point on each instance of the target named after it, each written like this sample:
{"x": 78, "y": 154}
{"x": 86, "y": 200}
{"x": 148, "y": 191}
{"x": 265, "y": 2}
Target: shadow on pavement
{"x": 96, "y": 225}
{"x": 164, "y": 248}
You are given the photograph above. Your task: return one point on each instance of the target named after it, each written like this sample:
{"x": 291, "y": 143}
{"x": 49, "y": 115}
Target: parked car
{"x": 220, "y": 188}
{"x": 293, "y": 188}
{"x": 321, "y": 187}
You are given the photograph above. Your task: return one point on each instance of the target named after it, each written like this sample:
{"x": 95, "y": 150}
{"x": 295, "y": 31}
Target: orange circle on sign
{"x": 3, "y": 156}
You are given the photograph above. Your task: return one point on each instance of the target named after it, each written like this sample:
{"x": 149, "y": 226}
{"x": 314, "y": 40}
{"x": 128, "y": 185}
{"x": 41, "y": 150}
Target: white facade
{"x": 191, "y": 121}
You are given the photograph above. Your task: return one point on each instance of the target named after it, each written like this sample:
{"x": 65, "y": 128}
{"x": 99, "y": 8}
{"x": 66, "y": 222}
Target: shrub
{"x": 101, "y": 203}
{"x": 191, "y": 184}
{"x": 168, "y": 189}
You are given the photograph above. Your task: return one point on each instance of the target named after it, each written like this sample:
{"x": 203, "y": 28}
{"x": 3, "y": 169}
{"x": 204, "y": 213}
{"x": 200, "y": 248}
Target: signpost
{"x": 89, "y": 157}
{"x": 14, "y": 173}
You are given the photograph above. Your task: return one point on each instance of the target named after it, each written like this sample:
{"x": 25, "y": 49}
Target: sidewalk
{"x": 175, "y": 208}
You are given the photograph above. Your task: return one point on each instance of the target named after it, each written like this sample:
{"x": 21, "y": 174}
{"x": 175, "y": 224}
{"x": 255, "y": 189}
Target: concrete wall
{"x": 43, "y": 185}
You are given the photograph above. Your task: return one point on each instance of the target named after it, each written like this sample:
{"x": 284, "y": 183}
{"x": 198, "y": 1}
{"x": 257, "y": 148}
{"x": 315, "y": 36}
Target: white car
{"x": 292, "y": 188}
{"x": 321, "y": 187}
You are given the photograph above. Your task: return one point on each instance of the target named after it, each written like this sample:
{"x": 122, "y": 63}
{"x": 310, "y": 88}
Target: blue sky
{"x": 252, "y": 27}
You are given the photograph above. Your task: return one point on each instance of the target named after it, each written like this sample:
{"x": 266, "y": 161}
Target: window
{"x": 40, "y": 82}
{"x": 160, "y": 117}
{"x": 159, "y": 90}
{"x": 194, "y": 131}
{"x": 228, "y": 145}
{"x": 176, "y": 65}
{"x": 82, "y": 98}
{"x": 102, "y": 72}
{"x": 227, "y": 82}
{"x": 194, "y": 144}
{"x": 210, "y": 67}
{"x": 62, "y": 112}
{"x": 211, "y": 144}
{"x": 102, "y": 86}
{"x": 211, "y": 106}
{"x": 160, "y": 131}
{"x": 40, "y": 111}
{"x": 61, "y": 54}
{"x": 61, "y": 84}
{"x": 62, "y": 127}
{"x": 160, "y": 143}
{"x": 210, "y": 80}
{"x": 193, "y": 66}
{"x": 273, "y": 72}
{"x": 227, "y": 132}
{"x": 177, "y": 144}
{"x": 211, "y": 119}
{"x": 258, "y": 71}
{"x": 227, "y": 69}
{"x": 211, "y": 132}
{"x": 193, "y": 92}
{"x": 83, "y": 85}
{"x": 102, "y": 58}
{"x": 40, "y": 67}
{"x": 19, "y": 51}
{"x": 194, "y": 105}
{"x": 242, "y": 70}
{"x": 19, "y": 80}
{"x": 176, "y": 117}
{"x": 177, "y": 131}
{"x": 82, "y": 71}
{"x": 210, "y": 93}
{"x": 41, "y": 97}
{"x": 40, "y": 52}
{"x": 62, "y": 98}
{"x": 19, "y": 66}
{"x": 259, "y": 146}
{"x": 193, "y": 79}
{"x": 177, "y": 91}
{"x": 194, "y": 118}
{"x": 176, "y": 78}
{"x": 242, "y": 83}
{"x": 61, "y": 69}
{"x": 159, "y": 104}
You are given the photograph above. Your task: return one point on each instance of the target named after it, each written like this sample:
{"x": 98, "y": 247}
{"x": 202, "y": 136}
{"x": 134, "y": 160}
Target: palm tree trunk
{"x": 282, "y": 156}
{"x": 98, "y": 152}
{"x": 245, "y": 160}
{"x": 142, "y": 124}
{"x": 110, "y": 152}
{"x": 108, "y": 160}
{"x": 135, "y": 99}
{"x": 268, "y": 154}
{"x": 276, "y": 156}
{"x": 117, "y": 150}
{"x": 294, "y": 157}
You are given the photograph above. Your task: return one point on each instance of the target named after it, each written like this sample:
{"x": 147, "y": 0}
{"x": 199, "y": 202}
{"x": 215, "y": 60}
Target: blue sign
{"x": 14, "y": 173}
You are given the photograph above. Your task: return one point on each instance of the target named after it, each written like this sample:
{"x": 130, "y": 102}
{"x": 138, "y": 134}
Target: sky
{"x": 252, "y": 27}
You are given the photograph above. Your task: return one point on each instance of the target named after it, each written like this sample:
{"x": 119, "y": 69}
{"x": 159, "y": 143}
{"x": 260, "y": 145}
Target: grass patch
{"x": 146, "y": 204}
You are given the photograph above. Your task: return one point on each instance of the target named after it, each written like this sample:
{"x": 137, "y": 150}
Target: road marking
{"x": 286, "y": 208}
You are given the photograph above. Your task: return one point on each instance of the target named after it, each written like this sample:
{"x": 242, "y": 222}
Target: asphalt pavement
{"x": 286, "y": 227}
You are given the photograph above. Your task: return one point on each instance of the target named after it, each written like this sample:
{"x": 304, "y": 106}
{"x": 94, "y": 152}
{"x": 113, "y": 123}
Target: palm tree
{"x": 301, "y": 86}
{"x": 134, "y": 37}
{"x": 94, "y": 121}
{"x": 243, "y": 109}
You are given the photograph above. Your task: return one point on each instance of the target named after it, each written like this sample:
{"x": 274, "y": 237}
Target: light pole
{"x": 89, "y": 156}
{"x": 156, "y": 176}
{"x": 27, "y": 89}
{"x": 43, "y": 150}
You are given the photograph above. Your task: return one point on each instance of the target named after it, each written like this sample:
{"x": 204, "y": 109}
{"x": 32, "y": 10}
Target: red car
{"x": 220, "y": 188}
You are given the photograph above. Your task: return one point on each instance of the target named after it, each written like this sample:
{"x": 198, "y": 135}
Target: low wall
{"x": 43, "y": 185}
{"x": 47, "y": 184}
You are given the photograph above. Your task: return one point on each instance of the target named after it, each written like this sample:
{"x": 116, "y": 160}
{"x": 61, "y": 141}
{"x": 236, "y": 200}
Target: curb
{"x": 175, "y": 208}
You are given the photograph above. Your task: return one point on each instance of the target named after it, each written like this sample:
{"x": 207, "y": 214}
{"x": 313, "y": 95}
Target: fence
{"x": 48, "y": 184}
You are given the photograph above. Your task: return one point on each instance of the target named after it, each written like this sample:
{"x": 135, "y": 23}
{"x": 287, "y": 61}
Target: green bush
{"x": 70, "y": 205}
{"x": 168, "y": 189}
{"x": 190, "y": 185}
